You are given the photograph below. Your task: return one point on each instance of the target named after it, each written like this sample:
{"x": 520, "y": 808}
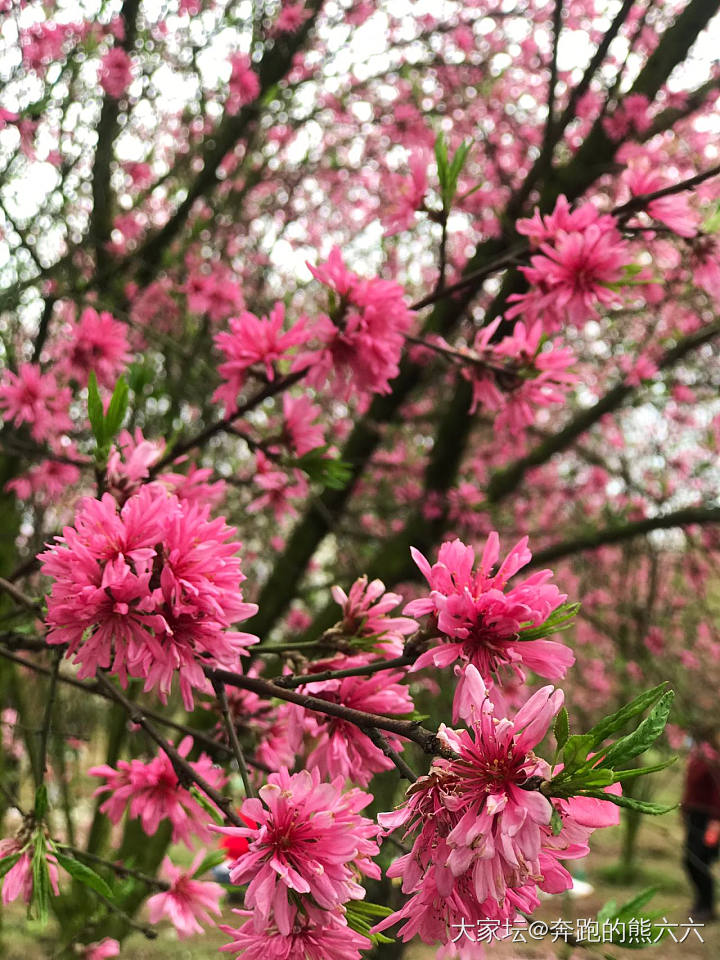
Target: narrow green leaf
{"x": 576, "y": 750}
{"x": 117, "y": 408}
{"x": 95, "y": 411}
{"x": 608, "y": 911}
{"x": 561, "y": 728}
{"x": 623, "y": 775}
{"x": 561, "y": 619}
{"x": 7, "y": 863}
{"x": 211, "y": 861}
{"x": 632, "y": 907}
{"x": 616, "y": 721}
{"x": 643, "y": 737}
{"x": 556, "y": 823}
{"x": 631, "y": 803}
{"x": 84, "y": 875}
{"x": 207, "y": 806}
{"x": 41, "y": 879}
{"x": 371, "y": 909}
{"x": 441, "y": 158}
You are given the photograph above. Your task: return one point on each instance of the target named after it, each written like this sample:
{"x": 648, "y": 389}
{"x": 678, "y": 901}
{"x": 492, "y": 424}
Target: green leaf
{"x": 576, "y": 750}
{"x": 630, "y": 803}
{"x": 211, "y": 861}
{"x": 117, "y": 409}
{"x": 95, "y": 411}
{"x": 41, "y": 879}
{"x": 618, "y": 720}
{"x": 560, "y": 619}
{"x": 370, "y": 909}
{"x": 556, "y": 823}
{"x": 623, "y": 775}
{"x": 361, "y": 916}
{"x": 632, "y": 907}
{"x": 449, "y": 170}
{"x": 561, "y": 728}
{"x": 84, "y": 875}
{"x": 41, "y": 802}
{"x": 207, "y": 806}
{"x": 641, "y": 739}
{"x": 7, "y": 863}
{"x": 711, "y": 224}
{"x": 329, "y": 471}
{"x": 608, "y": 911}
{"x": 441, "y": 158}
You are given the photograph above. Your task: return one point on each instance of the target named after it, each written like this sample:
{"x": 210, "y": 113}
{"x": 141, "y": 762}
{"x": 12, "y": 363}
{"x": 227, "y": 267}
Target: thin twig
{"x": 95, "y": 690}
{"x": 116, "y": 867}
{"x": 221, "y": 693}
{"x": 381, "y": 742}
{"x": 290, "y": 682}
{"x": 184, "y": 771}
{"x": 18, "y": 596}
{"x": 410, "y": 729}
{"x": 45, "y": 730}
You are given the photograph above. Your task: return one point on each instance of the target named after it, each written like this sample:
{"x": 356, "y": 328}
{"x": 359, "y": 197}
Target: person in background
{"x": 701, "y": 813}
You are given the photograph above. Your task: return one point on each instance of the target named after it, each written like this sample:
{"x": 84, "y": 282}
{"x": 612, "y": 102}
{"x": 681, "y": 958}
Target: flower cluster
{"x": 19, "y": 879}
{"x": 187, "y": 900}
{"x": 305, "y": 853}
{"x": 485, "y": 845}
{"x": 254, "y": 341}
{"x": 366, "y": 610}
{"x": 147, "y": 590}
{"x": 151, "y": 792}
{"x": 578, "y": 268}
{"x": 363, "y": 337}
{"x": 480, "y": 621}
{"x": 340, "y": 749}
{"x": 514, "y": 374}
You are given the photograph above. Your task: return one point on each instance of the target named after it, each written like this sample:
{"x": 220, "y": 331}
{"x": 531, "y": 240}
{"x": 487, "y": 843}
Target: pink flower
{"x": 582, "y": 256}
{"x": 405, "y": 195}
{"x": 244, "y": 83}
{"x": 479, "y": 620}
{"x": 365, "y": 612}
{"x": 291, "y": 17}
{"x": 102, "y": 949}
{"x": 363, "y": 341}
{"x": 32, "y": 397}
{"x": 115, "y": 72}
{"x": 7, "y": 117}
{"x": 315, "y": 935}
{"x": 484, "y": 842}
{"x": 308, "y": 847}
{"x": 341, "y": 749}
{"x": 515, "y": 375}
{"x": 254, "y": 340}
{"x": 638, "y": 369}
{"x": 187, "y": 900}
{"x": 218, "y": 297}
{"x": 18, "y": 881}
{"x": 303, "y": 435}
{"x": 151, "y": 792}
{"x": 541, "y": 228}
{"x": 148, "y": 590}
{"x": 98, "y": 343}
{"x": 47, "y": 481}
{"x": 672, "y": 210}
{"x": 129, "y": 463}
